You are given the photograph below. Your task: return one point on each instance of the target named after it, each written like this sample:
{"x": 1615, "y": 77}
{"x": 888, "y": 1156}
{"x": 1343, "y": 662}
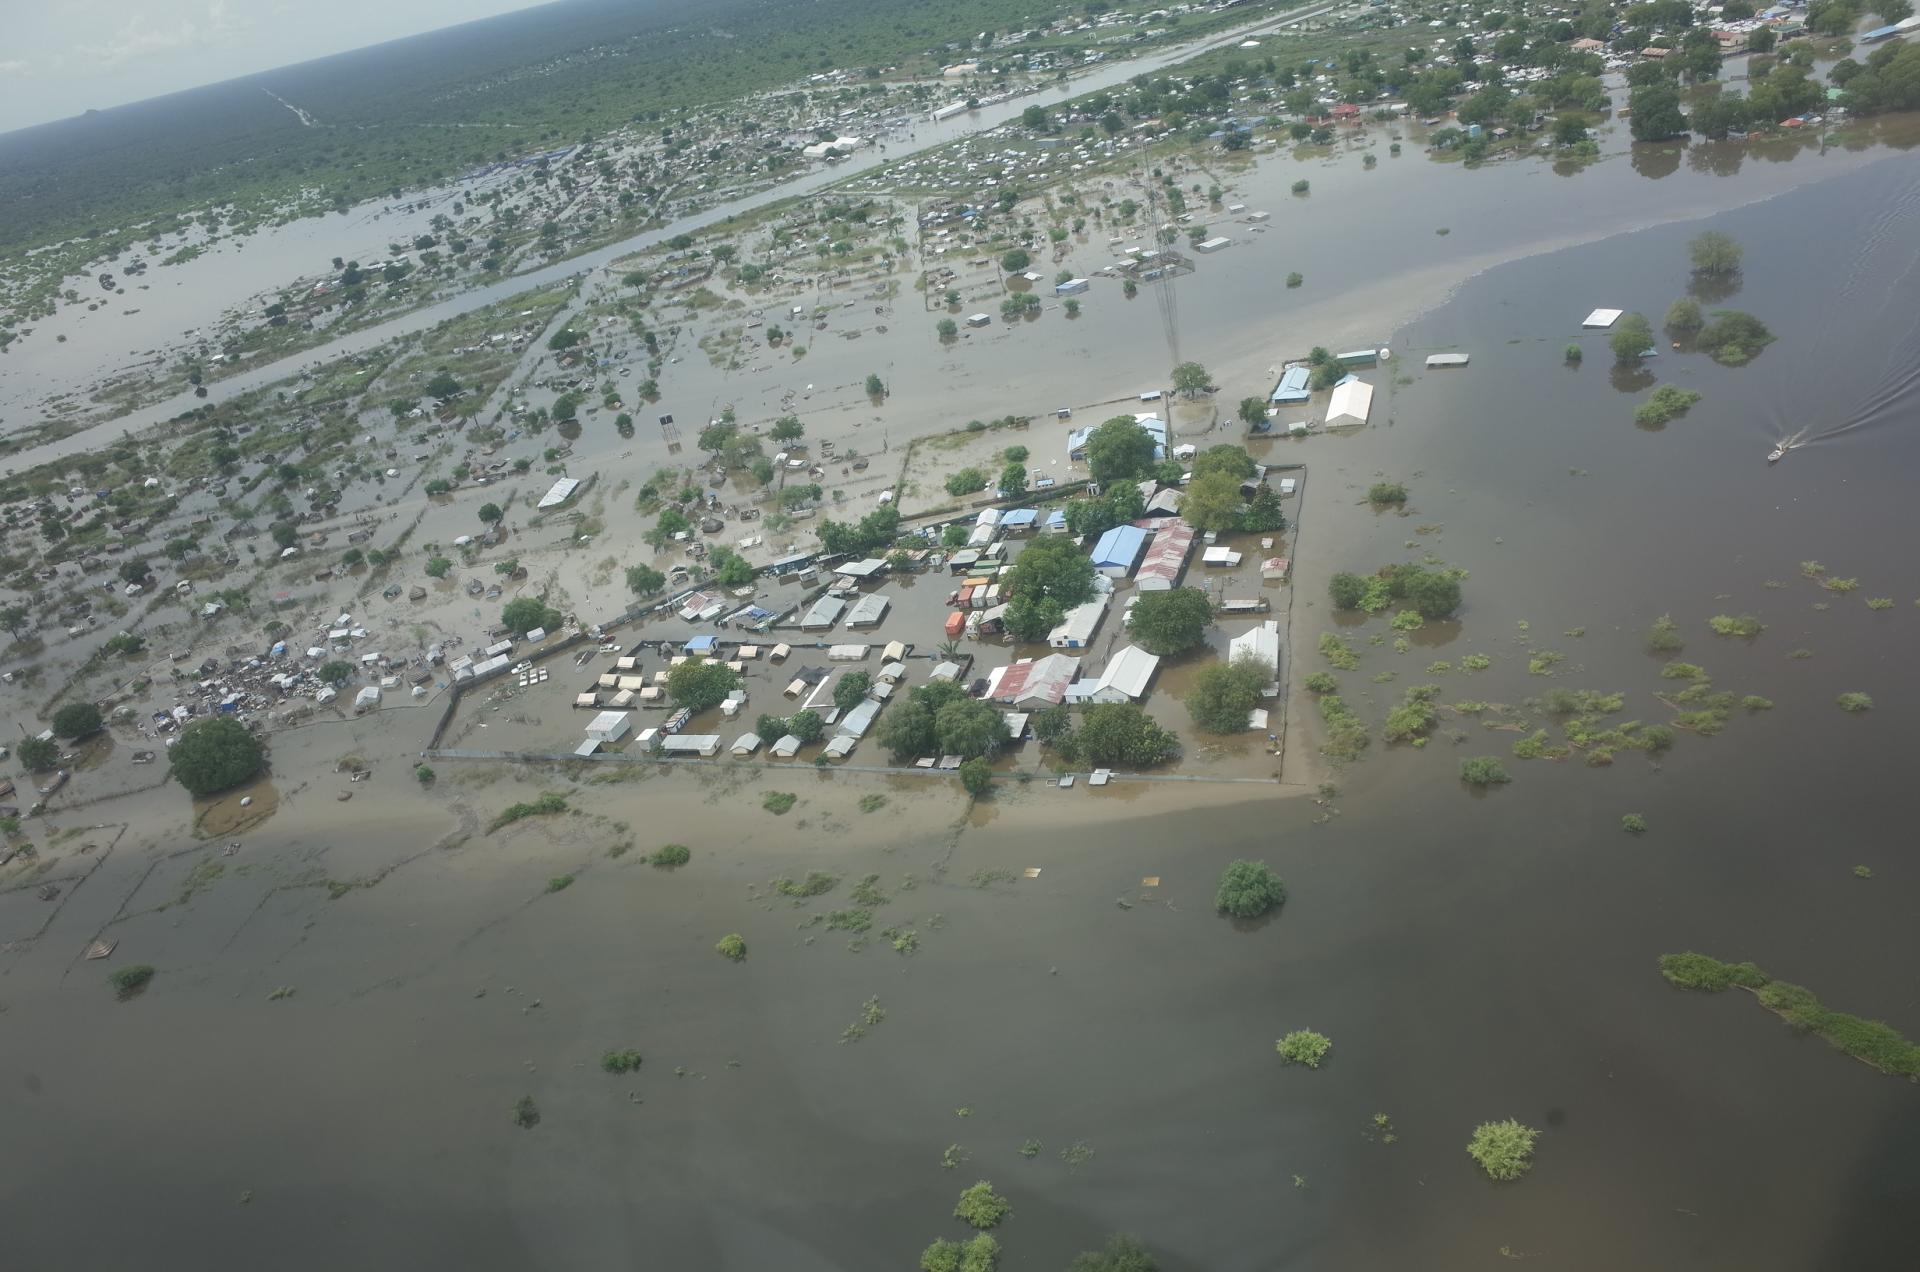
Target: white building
{"x": 1077, "y": 629}
{"x": 1125, "y": 679}
{"x": 609, "y": 726}
{"x": 1351, "y": 403}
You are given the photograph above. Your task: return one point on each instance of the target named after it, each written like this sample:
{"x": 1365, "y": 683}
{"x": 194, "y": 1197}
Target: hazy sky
{"x": 62, "y": 57}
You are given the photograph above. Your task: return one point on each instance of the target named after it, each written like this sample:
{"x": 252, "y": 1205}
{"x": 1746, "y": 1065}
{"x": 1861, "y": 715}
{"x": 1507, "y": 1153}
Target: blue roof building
{"x": 1119, "y": 550}
{"x": 1293, "y": 385}
{"x": 1019, "y": 518}
{"x": 698, "y": 645}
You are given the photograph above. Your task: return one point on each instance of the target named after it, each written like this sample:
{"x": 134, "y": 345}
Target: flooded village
{"x": 707, "y": 749}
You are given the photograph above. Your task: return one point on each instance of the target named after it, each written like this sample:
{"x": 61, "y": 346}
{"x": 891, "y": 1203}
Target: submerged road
{"x": 929, "y": 137}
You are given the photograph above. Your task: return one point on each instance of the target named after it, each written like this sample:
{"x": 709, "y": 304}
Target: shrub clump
{"x": 1386, "y": 492}
{"x": 1483, "y": 771}
{"x": 1633, "y": 823}
{"x": 1667, "y": 404}
{"x": 1304, "y": 1046}
{"x": 1503, "y": 1149}
{"x": 1248, "y": 889}
{"x": 130, "y": 980}
{"x": 1854, "y": 702}
{"x": 1745, "y": 626}
{"x": 778, "y": 802}
{"x": 731, "y": 946}
{"x": 625, "y": 1061}
{"x": 981, "y": 1253}
{"x": 981, "y": 1207}
{"x": 1708, "y": 975}
{"x": 671, "y": 855}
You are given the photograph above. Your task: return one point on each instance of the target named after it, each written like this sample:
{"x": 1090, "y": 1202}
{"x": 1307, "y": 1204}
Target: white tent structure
{"x": 1351, "y": 403}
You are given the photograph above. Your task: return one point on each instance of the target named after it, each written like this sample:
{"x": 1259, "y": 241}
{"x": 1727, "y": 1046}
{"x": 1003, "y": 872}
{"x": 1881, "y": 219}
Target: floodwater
{"x": 179, "y": 299}
{"x": 1471, "y": 957}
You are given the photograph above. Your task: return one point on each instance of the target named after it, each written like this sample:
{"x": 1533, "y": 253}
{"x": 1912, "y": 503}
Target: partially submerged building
{"x": 1033, "y": 682}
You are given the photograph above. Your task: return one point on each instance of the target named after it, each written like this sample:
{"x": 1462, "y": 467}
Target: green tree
{"x": 1228, "y": 459}
{"x": 966, "y": 481}
{"x": 1263, "y": 512}
{"x": 700, "y": 685}
{"x": 910, "y": 729}
{"x": 1122, "y": 733}
{"x": 564, "y": 339}
{"x": 77, "y": 720}
{"x": 1248, "y": 890}
{"x": 214, "y": 755}
{"x": 335, "y": 672}
{"x": 875, "y": 386}
{"x": 1224, "y": 694}
{"x": 1504, "y": 1149}
{"x": 1191, "y": 379}
{"x": 1253, "y": 411}
{"x": 1212, "y": 502}
{"x": 1684, "y": 317}
{"x": 1483, "y": 771}
{"x": 979, "y": 1253}
{"x": 851, "y": 690}
{"x": 644, "y": 580}
{"x": 1034, "y": 118}
{"x": 729, "y": 568}
{"x": 1170, "y": 622}
{"x": 523, "y": 614}
{"x": 1655, "y": 112}
{"x": 1434, "y": 595}
{"x": 442, "y": 386}
{"x": 1734, "y": 338}
{"x": 1013, "y": 481}
{"x": 1120, "y": 450}
{"x": 1632, "y": 337}
{"x": 976, "y": 775}
{"x": 969, "y": 727}
{"x": 981, "y": 1207}
{"x": 1304, "y": 1046}
{"x": 947, "y": 328}
{"x": 490, "y": 513}
{"x": 1015, "y": 261}
{"x": 39, "y": 755}
{"x": 14, "y": 617}
{"x": 438, "y": 567}
{"x": 807, "y": 726}
{"x": 787, "y": 428}
{"x": 1714, "y": 254}
{"x": 1050, "y": 576}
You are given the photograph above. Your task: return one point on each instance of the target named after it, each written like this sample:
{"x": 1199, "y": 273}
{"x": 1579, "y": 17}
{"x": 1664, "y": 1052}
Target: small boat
{"x": 1775, "y": 455}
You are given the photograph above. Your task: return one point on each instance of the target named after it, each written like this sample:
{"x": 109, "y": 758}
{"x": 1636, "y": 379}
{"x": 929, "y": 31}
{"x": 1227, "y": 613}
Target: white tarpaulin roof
{"x": 1602, "y": 318}
{"x": 1351, "y": 403}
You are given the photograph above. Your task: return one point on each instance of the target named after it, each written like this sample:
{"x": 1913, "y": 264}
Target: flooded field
{"x": 1472, "y": 957}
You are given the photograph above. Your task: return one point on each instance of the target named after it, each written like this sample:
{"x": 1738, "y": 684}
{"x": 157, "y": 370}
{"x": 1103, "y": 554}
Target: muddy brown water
{"x": 1471, "y": 958}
